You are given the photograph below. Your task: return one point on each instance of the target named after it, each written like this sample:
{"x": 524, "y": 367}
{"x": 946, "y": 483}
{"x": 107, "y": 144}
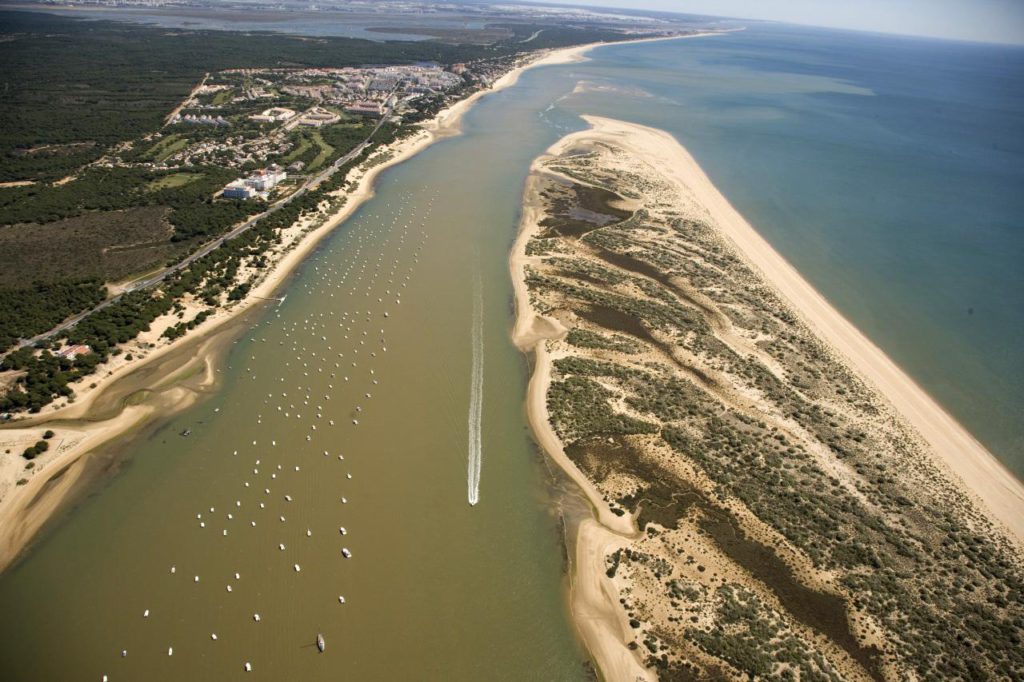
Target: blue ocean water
{"x": 888, "y": 170}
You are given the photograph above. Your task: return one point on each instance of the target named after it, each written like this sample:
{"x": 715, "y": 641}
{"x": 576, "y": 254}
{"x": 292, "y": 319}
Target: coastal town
{"x": 242, "y": 145}
{"x": 272, "y": 122}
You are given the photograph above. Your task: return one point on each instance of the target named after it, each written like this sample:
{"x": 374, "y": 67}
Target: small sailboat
{"x": 320, "y": 644}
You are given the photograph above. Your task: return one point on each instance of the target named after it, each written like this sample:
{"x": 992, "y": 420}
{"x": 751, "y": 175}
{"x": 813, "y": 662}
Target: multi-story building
{"x": 238, "y": 190}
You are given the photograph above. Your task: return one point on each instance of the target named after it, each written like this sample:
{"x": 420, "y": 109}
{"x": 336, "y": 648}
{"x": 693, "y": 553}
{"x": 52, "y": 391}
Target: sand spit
{"x": 983, "y": 475}
{"x": 593, "y": 602}
{"x": 35, "y": 502}
{"x": 737, "y": 439}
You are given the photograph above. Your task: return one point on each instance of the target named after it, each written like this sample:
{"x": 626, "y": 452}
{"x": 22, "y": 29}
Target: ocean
{"x": 888, "y": 170}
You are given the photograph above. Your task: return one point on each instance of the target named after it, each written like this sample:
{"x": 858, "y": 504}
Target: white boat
{"x": 320, "y": 644}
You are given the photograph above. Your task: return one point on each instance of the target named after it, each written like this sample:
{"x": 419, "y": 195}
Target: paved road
{"x": 177, "y": 109}
{"x": 310, "y": 184}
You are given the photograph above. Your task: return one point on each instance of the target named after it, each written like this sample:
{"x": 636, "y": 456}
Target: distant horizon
{"x": 1005, "y": 25}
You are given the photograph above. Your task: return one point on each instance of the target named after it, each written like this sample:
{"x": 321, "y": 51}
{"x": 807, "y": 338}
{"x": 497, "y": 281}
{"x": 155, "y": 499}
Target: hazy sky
{"x": 984, "y": 20}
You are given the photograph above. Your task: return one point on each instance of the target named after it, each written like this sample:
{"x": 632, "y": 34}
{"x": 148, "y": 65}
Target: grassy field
{"x": 304, "y": 145}
{"x": 325, "y": 151}
{"x": 222, "y": 97}
{"x": 311, "y": 148}
{"x": 166, "y": 146}
{"x": 173, "y": 180}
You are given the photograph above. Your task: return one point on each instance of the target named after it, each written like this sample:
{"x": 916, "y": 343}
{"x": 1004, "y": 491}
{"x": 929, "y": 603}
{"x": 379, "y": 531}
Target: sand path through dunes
{"x": 956, "y": 450}
{"x": 962, "y": 465}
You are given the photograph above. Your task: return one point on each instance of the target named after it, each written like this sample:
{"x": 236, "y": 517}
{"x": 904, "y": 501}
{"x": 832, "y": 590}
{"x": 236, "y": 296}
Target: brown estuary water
{"x": 399, "y": 322}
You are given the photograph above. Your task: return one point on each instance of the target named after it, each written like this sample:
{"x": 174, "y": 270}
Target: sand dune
{"x": 985, "y": 478}
{"x": 967, "y": 464}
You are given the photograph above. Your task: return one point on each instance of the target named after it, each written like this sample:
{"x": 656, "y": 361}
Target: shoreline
{"x": 593, "y": 601}
{"x": 977, "y": 471}
{"x": 25, "y": 508}
{"x": 967, "y": 465}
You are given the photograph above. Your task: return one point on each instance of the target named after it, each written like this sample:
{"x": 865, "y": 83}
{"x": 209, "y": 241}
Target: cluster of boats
{"x": 329, "y": 372}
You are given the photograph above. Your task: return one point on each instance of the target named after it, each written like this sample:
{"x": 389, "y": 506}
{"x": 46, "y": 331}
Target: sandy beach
{"x": 983, "y": 476}
{"x": 966, "y": 463}
{"x": 592, "y": 599}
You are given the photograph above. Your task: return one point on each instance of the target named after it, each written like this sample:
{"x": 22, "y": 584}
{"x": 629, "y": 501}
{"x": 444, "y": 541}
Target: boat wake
{"x": 476, "y": 395}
